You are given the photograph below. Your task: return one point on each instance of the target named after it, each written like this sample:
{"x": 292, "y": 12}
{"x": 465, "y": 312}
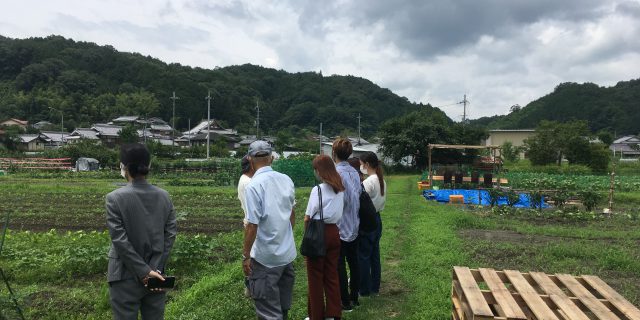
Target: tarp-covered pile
{"x": 477, "y": 197}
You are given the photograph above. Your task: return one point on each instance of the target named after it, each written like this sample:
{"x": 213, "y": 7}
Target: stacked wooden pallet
{"x": 489, "y": 294}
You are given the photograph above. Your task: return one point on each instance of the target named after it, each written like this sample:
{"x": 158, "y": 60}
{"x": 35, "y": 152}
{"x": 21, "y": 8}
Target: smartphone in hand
{"x": 155, "y": 283}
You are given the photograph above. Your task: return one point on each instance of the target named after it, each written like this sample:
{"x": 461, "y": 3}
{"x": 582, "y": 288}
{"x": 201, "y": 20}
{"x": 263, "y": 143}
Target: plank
{"x": 502, "y": 295}
{"x": 590, "y": 301}
{"x": 617, "y": 300}
{"x": 471, "y": 291}
{"x": 538, "y": 307}
{"x": 569, "y": 309}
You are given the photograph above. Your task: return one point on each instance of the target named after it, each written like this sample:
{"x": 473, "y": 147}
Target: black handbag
{"x": 367, "y": 213}
{"x": 313, "y": 240}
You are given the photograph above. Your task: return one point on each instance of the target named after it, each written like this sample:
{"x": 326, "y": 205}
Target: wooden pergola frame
{"x": 458, "y": 147}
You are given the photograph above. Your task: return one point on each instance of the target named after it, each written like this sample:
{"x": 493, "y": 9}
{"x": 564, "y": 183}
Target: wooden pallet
{"x": 486, "y": 294}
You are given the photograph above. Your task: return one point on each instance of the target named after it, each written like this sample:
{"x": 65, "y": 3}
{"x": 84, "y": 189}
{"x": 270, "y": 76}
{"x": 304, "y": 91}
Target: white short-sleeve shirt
{"x": 269, "y": 198}
{"x": 332, "y": 204}
{"x": 372, "y": 187}
{"x": 242, "y": 185}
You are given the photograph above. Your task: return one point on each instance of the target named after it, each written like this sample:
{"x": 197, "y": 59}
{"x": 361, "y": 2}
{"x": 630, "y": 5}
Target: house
{"x": 42, "y": 125}
{"x": 123, "y": 120}
{"x": 200, "y": 139}
{"x": 108, "y": 134}
{"x": 55, "y": 139}
{"x": 164, "y": 130}
{"x": 354, "y": 140}
{"x": 626, "y": 147}
{"x": 31, "y": 142}
{"x": 198, "y": 135}
{"x": 358, "y": 150}
{"x": 15, "y": 122}
{"x": 498, "y": 137}
{"x": 82, "y": 133}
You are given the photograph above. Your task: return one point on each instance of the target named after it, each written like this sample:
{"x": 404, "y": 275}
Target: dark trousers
{"x": 322, "y": 276}
{"x": 369, "y": 260}
{"x": 349, "y": 255}
{"x": 130, "y": 297}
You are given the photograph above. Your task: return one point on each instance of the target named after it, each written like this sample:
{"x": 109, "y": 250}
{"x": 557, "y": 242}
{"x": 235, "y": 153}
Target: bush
{"x": 590, "y": 198}
{"x": 300, "y": 171}
{"x": 108, "y": 158}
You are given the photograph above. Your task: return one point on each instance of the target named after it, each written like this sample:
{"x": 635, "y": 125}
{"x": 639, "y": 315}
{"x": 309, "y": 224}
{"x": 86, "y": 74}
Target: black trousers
{"x": 349, "y": 255}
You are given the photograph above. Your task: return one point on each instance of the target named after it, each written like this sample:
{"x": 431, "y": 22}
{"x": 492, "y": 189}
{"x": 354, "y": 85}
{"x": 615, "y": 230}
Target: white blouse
{"x": 332, "y": 204}
{"x": 372, "y": 187}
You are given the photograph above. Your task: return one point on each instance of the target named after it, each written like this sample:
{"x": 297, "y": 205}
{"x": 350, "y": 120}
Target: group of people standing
{"x": 268, "y": 199}
{"x": 142, "y": 226}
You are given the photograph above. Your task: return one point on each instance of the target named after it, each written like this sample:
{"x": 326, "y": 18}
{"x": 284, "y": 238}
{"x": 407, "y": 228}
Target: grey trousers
{"x": 271, "y": 290}
{"x": 129, "y": 297}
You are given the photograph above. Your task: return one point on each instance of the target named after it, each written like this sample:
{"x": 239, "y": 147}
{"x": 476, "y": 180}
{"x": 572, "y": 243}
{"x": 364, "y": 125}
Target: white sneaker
{"x": 307, "y": 318}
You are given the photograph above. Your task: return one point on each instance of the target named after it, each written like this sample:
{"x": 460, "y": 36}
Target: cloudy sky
{"x": 498, "y": 52}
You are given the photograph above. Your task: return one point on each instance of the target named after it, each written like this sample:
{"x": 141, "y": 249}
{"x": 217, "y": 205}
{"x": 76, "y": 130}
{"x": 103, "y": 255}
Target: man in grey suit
{"x": 142, "y": 225}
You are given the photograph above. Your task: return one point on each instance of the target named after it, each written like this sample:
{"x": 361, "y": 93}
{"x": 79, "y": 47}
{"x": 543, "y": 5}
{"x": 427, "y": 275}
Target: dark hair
{"x": 136, "y": 158}
{"x": 355, "y": 163}
{"x": 245, "y": 164}
{"x": 328, "y": 173}
{"x": 371, "y": 159}
{"x": 342, "y": 148}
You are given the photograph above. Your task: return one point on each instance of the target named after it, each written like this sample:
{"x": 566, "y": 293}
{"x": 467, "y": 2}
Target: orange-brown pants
{"x": 322, "y": 277}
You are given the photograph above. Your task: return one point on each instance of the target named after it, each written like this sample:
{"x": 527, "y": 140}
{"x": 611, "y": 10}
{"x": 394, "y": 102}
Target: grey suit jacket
{"x": 142, "y": 225}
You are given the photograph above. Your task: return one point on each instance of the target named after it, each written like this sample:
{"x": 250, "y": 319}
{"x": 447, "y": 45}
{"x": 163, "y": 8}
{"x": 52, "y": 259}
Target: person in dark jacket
{"x": 142, "y": 226}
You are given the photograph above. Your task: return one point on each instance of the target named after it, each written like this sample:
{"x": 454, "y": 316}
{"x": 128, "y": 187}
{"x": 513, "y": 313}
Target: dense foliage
{"x": 612, "y": 109}
{"x": 409, "y": 136}
{"x": 554, "y": 142}
{"x": 92, "y": 83}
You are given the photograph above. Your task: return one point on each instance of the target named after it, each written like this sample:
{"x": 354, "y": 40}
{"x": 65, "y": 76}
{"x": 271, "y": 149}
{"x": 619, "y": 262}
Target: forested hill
{"x": 615, "y": 109}
{"x": 92, "y": 83}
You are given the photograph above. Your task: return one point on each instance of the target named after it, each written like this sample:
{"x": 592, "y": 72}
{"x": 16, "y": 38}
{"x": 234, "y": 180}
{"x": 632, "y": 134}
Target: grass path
{"x": 419, "y": 247}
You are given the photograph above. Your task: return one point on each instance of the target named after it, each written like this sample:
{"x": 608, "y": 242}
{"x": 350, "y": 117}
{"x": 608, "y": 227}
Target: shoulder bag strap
{"x": 320, "y": 198}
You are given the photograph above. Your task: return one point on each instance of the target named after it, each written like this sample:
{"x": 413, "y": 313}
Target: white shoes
{"x": 307, "y": 318}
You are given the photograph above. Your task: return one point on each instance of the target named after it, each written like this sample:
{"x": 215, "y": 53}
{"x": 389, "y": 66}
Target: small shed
{"x": 87, "y": 164}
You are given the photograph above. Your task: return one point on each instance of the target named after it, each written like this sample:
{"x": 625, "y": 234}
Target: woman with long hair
{"x": 369, "y": 246}
{"x": 322, "y": 272}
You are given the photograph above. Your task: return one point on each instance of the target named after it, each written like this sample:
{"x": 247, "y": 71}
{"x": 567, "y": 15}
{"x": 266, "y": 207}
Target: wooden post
{"x": 611, "y": 188}
{"x": 430, "y": 174}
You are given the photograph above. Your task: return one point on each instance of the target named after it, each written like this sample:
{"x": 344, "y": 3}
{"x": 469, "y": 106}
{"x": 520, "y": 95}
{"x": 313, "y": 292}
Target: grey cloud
{"x": 170, "y": 36}
{"x": 236, "y": 8}
{"x": 631, "y": 8}
{"x": 425, "y": 29}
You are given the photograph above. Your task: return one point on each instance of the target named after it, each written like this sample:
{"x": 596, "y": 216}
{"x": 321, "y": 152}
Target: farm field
{"x": 61, "y": 273}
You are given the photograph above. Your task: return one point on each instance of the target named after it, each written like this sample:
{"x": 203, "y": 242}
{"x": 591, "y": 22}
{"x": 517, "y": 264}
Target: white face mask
{"x": 363, "y": 170}
{"x": 123, "y": 173}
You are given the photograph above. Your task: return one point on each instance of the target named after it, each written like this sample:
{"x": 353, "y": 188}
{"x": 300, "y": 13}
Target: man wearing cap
{"x": 269, "y": 248}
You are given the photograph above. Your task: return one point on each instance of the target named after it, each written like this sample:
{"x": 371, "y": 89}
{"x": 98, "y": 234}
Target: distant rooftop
{"x": 513, "y": 130}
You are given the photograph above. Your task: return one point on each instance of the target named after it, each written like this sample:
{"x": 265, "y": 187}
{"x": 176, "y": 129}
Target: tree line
{"x": 613, "y": 109}
{"x": 91, "y": 83}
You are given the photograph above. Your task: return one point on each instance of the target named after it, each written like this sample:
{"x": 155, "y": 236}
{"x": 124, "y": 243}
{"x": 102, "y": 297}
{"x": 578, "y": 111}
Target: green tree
{"x": 129, "y": 134}
{"x": 510, "y": 152}
{"x": 409, "y": 136}
{"x": 11, "y": 138}
{"x": 554, "y": 141}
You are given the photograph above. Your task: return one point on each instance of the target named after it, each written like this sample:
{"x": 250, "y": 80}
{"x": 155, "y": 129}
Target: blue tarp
{"x": 471, "y": 197}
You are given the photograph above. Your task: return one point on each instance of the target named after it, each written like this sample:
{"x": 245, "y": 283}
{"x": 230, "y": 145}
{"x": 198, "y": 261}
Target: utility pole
{"x": 257, "y": 121}
{"x": 320, "y": 138}
{"x": 359, "y": 117}
{"x": 464, "y": 114}
{"x": 208, "y": 98}
{"x": 173, "y": 132}
{"x": 189, "y": 135}
{"x": 61, "y": 125}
